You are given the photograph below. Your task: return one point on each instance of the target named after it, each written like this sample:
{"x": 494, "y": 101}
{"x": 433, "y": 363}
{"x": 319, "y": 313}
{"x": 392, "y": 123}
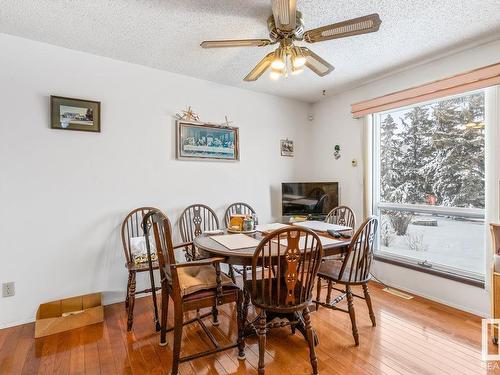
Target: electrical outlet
{"x": 8, "y": 289}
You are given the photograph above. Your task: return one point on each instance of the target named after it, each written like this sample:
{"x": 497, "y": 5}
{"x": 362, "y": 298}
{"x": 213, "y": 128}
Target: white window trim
{"x": 492, "y": 165}
{"x": 368, "y": 164}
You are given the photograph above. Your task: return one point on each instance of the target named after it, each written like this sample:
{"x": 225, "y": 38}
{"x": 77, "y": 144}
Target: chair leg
{"x": 241, "y": 327}
{"x": 178, "y": 324}
{"x": 131, "y": 302}
{"x": 128, "y": 289}
{"x": 329, "y": 292}
{"x": 261, "y": 331}
{"x": 215, "y": 316}
{"x": 164, "y": 316}
{"x": 350, "y": 307}
{"x": 231, "y": 274}
{"x": 369, "y": 304}
{"x": 318, "y": 290}
{"x": 310, "y": 339}
{"x": 246, "y": 303}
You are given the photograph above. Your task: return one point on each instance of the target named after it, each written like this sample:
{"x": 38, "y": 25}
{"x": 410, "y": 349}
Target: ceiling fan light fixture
{"x": 299, "y": 62}
{"x": 278, "y": 64}
{"x": 298, "y": 58}
{"x": 279, "y": 59}
{"x": 296, "y": 71}
{"x": 275, "y": 74}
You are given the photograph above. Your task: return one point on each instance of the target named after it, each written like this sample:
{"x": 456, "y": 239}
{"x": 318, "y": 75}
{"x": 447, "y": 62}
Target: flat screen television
{"x": 309, "y": 198}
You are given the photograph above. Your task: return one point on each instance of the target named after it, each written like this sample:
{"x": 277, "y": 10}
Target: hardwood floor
{"x": 412, "y": 337}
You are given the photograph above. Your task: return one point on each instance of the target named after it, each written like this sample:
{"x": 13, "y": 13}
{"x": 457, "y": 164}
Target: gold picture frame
{"x": 202, "y": 141}
{"x": 75, "y": 114}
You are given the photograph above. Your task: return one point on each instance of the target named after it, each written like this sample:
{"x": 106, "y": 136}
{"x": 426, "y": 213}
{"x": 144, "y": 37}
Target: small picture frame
{"x": 202, "y": 141}
{"x": 75, "y": 114}
{"x": 286, "y": 147}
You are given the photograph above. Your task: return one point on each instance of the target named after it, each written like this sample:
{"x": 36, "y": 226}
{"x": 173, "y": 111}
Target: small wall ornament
{"x": 188, "y": 115}
{"x": 286, "y": 147}
{"x": 226, "y": 123}
{"x": 336, "y": 153}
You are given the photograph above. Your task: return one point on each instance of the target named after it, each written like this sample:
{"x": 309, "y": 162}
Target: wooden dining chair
{"x": 342, "y": 215}
{"x": 193, "y": 221}
{"x": 132, "y": 228}
{"x": 238, "y": 208}
{"x": 295, "y": 254}
{"x": 191, "y": 285}
{"x": 354, "y": 269}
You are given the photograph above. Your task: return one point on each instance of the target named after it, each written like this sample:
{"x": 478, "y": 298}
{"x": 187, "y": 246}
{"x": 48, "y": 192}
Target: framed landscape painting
{"x": 206, "y": 141}
{"x": 75, "y": 114}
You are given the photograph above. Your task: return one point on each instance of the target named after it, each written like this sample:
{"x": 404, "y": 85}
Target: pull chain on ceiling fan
{"x": 285, "y": 27}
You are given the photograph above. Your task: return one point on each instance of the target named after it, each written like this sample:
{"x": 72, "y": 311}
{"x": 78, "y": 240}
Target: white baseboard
{"x": 435, "y": 299}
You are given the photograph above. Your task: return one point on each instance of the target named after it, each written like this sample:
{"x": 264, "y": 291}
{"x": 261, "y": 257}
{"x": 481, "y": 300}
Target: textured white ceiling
{"x": 166, "y": 35}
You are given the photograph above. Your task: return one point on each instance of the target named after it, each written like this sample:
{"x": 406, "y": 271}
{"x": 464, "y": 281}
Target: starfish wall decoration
{"x": 227, "y": 123}
{"x": 188, "y": 115}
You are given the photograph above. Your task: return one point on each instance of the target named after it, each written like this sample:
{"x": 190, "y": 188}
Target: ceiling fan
{"x": 285, "y": 27}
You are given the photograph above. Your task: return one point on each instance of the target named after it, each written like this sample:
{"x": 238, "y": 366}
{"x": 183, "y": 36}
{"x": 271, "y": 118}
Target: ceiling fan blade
{"x": 285, "y": 14}
{"x": 355, "y": 26}
{"x": 260, "y": 68}
{"x": 318, "y": 65}
{"x": 235, "y": 43}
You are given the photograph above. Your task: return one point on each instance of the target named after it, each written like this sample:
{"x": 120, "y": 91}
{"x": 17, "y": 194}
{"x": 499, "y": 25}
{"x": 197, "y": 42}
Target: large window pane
{"x": 429, "y": 183}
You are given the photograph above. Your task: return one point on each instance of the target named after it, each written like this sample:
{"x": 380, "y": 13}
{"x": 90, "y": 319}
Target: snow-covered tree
{"x": 391, "y": 174}
{"x": 458, "y": 169}
{"x": 434, "y": 150}
{"x": 417, "y": 152}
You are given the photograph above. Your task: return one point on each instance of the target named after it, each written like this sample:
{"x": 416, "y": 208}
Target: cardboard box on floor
{"x": 69, "y": 313}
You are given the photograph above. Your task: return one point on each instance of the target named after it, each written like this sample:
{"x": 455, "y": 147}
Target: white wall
{"x": 333, "y": 124}
{"x": 63, "y": 194}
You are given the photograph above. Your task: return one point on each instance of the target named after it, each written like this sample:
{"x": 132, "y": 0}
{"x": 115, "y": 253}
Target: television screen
{"x": 309, "y": 198}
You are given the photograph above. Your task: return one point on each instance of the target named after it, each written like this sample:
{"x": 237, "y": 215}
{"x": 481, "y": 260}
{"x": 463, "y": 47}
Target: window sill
{"x": 446, "y": 275}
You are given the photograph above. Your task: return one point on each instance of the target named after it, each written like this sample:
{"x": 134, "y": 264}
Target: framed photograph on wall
{"x": 75, "y": 114}
{"x": 198, "y": 141}
{"x": 286, "y": 147}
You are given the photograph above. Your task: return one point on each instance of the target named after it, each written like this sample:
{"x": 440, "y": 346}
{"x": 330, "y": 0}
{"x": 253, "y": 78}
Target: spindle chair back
{"x": 193, "y": 221}
{"x": 238, "y": 208}
{"x": 342, "y": 215}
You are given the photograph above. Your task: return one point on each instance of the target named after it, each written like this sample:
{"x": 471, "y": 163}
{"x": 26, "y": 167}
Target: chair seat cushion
{"x": 330, "y": 269}
{"x": 196, "y": 278}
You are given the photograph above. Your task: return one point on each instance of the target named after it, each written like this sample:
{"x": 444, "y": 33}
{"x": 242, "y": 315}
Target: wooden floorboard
{"x": 415, "y": 336}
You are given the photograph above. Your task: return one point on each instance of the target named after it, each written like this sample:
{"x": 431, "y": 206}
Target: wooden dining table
{"x": 208, "y": 247}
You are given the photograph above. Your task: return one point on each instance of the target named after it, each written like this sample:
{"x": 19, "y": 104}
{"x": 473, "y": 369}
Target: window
{"x": 429, "y": 184}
